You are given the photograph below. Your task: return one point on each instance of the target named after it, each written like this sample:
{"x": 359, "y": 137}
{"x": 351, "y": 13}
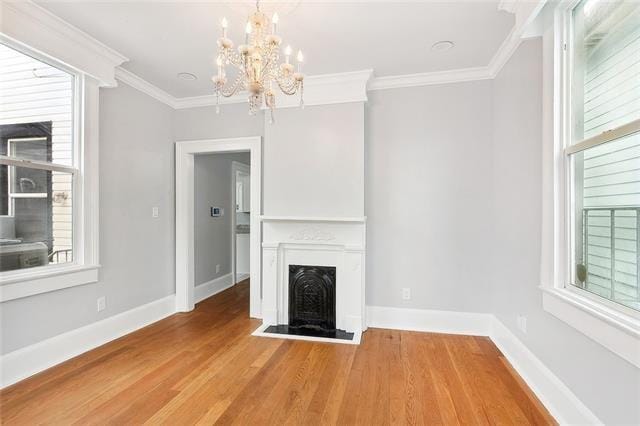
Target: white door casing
{"x": 185, "y": 275}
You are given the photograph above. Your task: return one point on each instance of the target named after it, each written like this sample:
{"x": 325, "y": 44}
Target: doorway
{"x": 185, "y": 216}
{"x": 241, "y": 220}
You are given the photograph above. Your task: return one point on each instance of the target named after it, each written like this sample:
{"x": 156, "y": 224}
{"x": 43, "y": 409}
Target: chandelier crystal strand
{"x": 258, "y": 64}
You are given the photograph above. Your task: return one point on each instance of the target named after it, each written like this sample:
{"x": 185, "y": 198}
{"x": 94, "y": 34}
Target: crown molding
{"x": 318, "y": 90}
{"x": 29, "y": 25}
{"x": 209, "y": 100}
{"x": 525, "y": 13}
{"x": 430, "y": 78}
{"x": 331, "y": 89}
{"x": 352, "y": 86}
{"x": 133, "y": 80}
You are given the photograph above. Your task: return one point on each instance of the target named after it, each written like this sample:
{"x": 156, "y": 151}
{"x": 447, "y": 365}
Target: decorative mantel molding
{"x": 312, "y": 234}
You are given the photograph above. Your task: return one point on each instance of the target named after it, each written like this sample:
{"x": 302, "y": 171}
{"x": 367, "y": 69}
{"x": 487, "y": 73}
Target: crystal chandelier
{"x": 258, "y": 64}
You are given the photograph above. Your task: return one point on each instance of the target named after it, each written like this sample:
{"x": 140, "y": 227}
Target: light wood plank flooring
{"x": 203, "y": 367}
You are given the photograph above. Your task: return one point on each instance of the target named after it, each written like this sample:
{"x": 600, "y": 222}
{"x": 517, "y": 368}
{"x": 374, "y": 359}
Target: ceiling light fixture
{"x": 187, "y": 76}
{"x": 442, "y": 46}
{"x": 258, "y": 64}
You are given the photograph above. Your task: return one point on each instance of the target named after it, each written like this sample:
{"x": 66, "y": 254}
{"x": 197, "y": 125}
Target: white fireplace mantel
{"x": 320, "y": 241}
{"x": 359, "y": 219}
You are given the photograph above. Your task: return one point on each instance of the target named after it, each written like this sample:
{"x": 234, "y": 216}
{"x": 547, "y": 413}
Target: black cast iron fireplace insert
{"x": 312, "y": 303}
{"x": 312, "y": 297}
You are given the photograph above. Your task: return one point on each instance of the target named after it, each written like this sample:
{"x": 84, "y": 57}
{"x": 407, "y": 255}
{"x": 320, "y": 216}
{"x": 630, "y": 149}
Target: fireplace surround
{"x": 305, "y": 260}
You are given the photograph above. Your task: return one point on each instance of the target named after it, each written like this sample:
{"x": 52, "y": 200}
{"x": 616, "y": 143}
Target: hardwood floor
{"x": 204, "y": 367}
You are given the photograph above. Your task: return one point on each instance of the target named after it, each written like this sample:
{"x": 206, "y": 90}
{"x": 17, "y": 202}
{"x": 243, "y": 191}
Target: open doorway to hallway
{"x": 186, "y": 228}
{"x": 222, "y": 225}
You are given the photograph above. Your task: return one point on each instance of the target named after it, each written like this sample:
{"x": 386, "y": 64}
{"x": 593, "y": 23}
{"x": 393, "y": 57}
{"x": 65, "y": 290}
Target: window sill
{"x": 618, "y": 332}
{"x": 19, "y": 284}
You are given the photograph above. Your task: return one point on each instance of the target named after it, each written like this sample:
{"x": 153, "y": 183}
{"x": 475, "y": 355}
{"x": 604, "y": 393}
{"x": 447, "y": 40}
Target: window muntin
{"x": 37, "y": 164}
{"x": 603, "y": 150}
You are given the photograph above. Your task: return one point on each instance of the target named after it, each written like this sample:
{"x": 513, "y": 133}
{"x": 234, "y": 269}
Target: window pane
{"x": 606, "y": 220}
{"x": 606, "y": 66}
{"x": 35, "y": 227}
{"x": 36, "y": 109}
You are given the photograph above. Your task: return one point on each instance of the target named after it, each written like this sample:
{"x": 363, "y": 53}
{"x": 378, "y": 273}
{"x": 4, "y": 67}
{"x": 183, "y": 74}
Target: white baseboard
{"x": 208, "y": 289}
{"x": 25, "y": 362}
{"x": 241, "y": 276}
{"x": 563, "y": 404}
{"x": 476, "y": 324}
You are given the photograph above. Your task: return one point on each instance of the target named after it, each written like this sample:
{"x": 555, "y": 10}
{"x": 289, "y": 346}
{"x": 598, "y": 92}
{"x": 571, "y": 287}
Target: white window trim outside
{"x": 612, "y": 325}
{"x": 84, "y": 268}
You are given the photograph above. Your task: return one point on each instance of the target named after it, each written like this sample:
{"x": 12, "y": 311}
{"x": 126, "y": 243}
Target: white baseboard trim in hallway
{"x": 27, "y": 361}
{"x": 241, "y": 276}
{"x": 563, "y": 404}
{"x": 208, "y": 289}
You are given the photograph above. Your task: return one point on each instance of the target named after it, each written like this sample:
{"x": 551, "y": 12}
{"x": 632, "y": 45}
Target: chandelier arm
{"x": 288, "y": 87}
{"x": 233, "y": 89}
{"x": 234, "y": 58}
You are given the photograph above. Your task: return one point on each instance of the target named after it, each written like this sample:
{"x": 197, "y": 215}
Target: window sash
{"x": 604, "y": 137}
{"x": 38, "y": 165}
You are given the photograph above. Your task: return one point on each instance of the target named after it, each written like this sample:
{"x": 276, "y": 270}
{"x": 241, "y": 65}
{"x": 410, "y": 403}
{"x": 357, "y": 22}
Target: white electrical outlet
{"x": 522, "y": 323}
{"x": 217, "y": 268}
{"x": 102, "y": 303}
{"x": 406, "y": 294}
{"x": 155, "y": 212}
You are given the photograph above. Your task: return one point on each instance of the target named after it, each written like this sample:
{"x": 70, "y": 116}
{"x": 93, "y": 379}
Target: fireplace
{"x": 313, "y": 278}
{"x": 312, "y": 297}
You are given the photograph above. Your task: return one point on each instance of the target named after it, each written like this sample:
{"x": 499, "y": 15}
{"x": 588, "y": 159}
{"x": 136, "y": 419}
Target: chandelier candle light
{"x": 258, "y": 64}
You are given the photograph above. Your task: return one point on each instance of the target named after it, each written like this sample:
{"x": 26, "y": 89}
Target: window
{"x": 37, "y": 163}
{"x": 602, "y": 147}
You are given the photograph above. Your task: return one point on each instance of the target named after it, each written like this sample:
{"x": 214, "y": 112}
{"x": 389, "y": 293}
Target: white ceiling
{"x": 162, "y": 39}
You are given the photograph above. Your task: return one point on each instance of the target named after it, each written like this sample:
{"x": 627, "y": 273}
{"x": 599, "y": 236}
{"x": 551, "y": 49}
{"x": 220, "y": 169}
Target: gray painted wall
{"x": 606, "y": 383}
{"x": 136, "y": 250}
{"x": 203, "y": 123}
{"x": 428, "y": 196}
{"x": 314, "y": 161}
{"x": 212, "y": 187}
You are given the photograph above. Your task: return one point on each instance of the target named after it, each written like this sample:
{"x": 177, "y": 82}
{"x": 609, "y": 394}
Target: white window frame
{"x": 11, "y": 196}
{"x": 615, "y": 326}
{"x": 84, "y": 267}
